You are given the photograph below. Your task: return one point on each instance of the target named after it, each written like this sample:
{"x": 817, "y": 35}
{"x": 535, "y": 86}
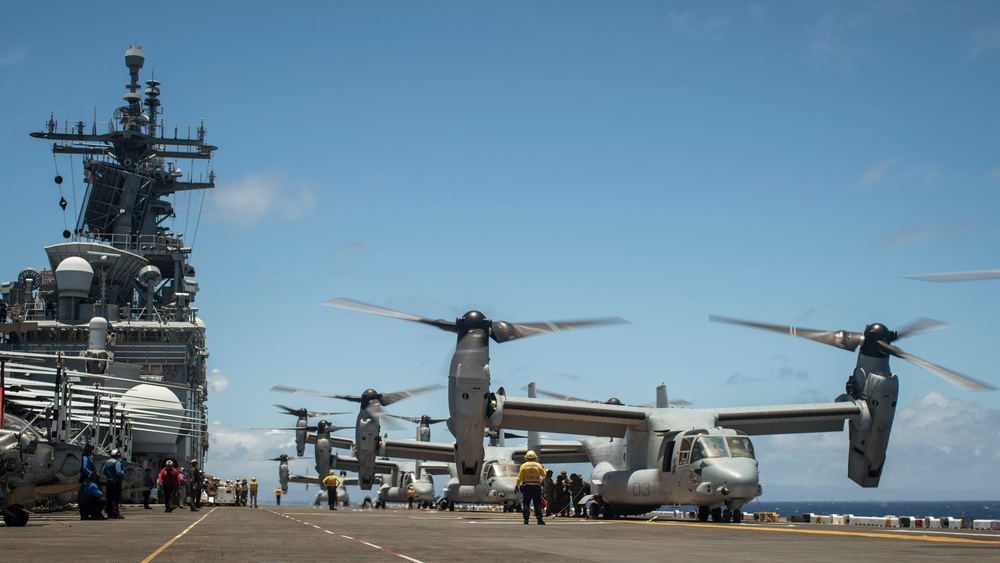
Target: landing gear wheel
{"x": 607, "y": 512}
{"x": 18, "y": 516}
{"x": 593, "y": 511}
{"x": 717, "y": 514}
{"x": 737, "y": 516}
{"x": 727, "y": 516}
{"x": 451, "y": 507}
{"x": 703, "y": 513}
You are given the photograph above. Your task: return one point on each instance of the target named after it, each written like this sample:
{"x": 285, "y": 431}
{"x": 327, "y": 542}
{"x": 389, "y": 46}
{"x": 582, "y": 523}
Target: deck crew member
{"x": 529, "y": 483}
{"x": 331, "y": 482}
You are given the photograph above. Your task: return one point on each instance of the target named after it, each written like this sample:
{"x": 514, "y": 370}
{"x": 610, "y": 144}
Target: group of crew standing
{"x": 564, "y": 494}
{"x": 177, "y": 487}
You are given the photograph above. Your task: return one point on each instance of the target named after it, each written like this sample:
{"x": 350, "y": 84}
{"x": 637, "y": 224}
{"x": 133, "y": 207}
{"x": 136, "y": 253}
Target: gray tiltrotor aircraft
{"x": 469, "y": 374}
{"x": 367, "y": 442}
{"x": 302, "y": 425}
{"x": 704, "y": 457}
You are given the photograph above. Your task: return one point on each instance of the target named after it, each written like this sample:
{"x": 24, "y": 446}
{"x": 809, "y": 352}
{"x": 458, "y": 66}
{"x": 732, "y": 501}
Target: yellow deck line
{"x": 177, "y": 537}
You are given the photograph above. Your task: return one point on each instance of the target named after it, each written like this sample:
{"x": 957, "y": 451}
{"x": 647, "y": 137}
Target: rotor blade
{"x": 365, "y": 308}
{"x": 375, "y": 412}
{"x": 413, "y": 419}
{"x": 390, "y": 398}
{"x": 352, "y": 398}
{"x": 562, "y": 397}
{"x": 959, "y": 380}
{"x": 303, "y": 411}
{"x": 921, "y": 325}
{"x": 957, "y": 276}
{"x": 503, "y": 331}
{"x": 417, "y": 419}
{"x": 843, "y": 339}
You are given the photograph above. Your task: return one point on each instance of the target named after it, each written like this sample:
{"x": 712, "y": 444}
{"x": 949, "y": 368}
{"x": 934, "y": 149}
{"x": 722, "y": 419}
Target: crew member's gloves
{"x": 517, "y": 489}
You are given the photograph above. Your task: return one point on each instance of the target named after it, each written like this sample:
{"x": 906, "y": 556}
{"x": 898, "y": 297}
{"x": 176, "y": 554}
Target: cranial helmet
{"x": 114, "y": 452}
{"x": 530, "y": 456}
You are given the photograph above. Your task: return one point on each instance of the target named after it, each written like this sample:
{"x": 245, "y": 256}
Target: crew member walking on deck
{"x": 529, "y": 483}
{"x": 277, "y": 494}
{"x": 147, "y": 486}
{"x": 331, "y": 482}
{"x": 169, "y": 479}
{"x": 114, "y": 474}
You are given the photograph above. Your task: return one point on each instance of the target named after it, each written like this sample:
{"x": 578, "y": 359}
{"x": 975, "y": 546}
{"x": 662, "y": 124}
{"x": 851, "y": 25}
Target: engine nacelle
{"x": 866, "y": 456}
{"x": 639, "y": 486}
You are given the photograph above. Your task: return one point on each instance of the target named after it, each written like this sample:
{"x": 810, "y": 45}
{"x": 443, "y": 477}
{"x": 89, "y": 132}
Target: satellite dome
{"x": 74, "y": 276}
{"x": 155, "y": 400}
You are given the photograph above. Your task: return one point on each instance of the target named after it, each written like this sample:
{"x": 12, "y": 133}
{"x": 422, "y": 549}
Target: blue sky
{"x": 785, "y": 162}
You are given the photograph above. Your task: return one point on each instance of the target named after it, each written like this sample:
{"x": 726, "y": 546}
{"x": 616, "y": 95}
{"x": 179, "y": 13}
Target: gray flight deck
{"x": 304, "y": 533}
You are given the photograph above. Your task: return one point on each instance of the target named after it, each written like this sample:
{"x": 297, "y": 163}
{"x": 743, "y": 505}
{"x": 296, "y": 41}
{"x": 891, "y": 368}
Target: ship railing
{"x": 82, "y": 128}
{"x": 154, "y": 244}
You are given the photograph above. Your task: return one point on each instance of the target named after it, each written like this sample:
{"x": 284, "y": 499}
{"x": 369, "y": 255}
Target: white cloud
{"x": 876, "y": 174}
{"x": 13, "y": 56}
{"x": 712, "y": 29}
{"x": 941, "y": 448}
{"x": 217, "y": 381}
{"x": 983, "y": 42}
{"x": 924, "y": 233}
{"x": 263, "y": 198}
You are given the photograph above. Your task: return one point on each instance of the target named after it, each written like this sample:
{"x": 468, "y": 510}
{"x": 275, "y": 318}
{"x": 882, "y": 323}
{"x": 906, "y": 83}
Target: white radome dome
{"x": 153, "y": 398}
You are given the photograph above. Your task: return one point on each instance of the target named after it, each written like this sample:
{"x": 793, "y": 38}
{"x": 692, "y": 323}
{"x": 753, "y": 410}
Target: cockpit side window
{"x": 684, "y": 455}
{"x": 740, "y": 446}
{"x": 708, "y": 446}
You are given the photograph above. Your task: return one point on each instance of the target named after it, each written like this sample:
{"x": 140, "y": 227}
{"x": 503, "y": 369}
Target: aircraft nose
{"x": 733, "y": 477}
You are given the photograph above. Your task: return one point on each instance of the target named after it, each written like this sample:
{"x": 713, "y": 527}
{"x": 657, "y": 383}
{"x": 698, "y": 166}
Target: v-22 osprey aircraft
{"x": 649, "y": 457}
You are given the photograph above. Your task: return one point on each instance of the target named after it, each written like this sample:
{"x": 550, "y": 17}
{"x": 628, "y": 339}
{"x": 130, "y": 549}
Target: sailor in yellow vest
{"x": 529, "y": 483}
{"x": 331, "y": 482}
{"x": 277, "y": 494}
{"x": 253, "y": 491}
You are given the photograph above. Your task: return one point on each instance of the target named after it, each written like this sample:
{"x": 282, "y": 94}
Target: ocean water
{"x": 971, "y": 509}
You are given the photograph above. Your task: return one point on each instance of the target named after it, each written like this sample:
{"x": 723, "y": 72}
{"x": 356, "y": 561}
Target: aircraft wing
{"x": 567, "y": 417}
{"x": 789, "y": 419}
{"x": 339, "y": 442}
{"x": 435, "y": 468}
{"x": 556, "y": 452}
{"x": 304, "y": 479}
{"x": 347, "y": 463}
{"x": 415, "y": 449}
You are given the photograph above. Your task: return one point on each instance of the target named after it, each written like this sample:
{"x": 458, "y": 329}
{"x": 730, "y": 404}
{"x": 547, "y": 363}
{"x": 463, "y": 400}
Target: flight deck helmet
{"x": 530, "y": 455}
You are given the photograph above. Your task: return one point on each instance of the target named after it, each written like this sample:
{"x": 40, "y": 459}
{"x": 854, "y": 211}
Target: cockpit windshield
{"x": 497, "y": 469}
{"x": 708, "y": 446}
{"x": 740, "y": 446}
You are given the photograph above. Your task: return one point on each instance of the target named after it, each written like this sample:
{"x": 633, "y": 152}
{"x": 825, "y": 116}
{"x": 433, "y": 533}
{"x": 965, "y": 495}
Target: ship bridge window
{"x": 740, "y": 446}
{"x": 708, "y": 446}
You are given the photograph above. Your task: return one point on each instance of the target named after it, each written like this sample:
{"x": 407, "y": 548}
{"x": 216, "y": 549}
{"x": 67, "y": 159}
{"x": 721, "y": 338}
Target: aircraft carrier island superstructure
{"x": 114, "y": 308}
